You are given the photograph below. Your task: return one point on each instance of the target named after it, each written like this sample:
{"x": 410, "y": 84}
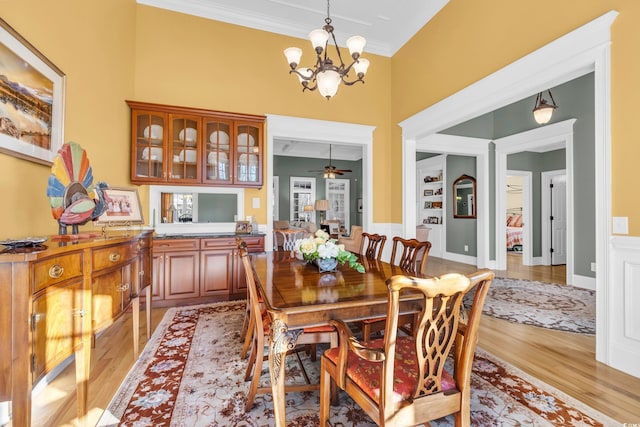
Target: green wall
{"x": 460, "y": 231}
{"x": 286, "y": 167}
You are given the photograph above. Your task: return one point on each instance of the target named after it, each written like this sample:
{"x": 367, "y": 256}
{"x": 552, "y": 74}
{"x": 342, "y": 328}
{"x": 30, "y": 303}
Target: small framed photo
{"x": 425, "y": 221}
{"x": 433, "y": 220}
{"x": 436, "y": 205}
{"x": 123, "y": 207}
{"x": 243, "y": 227}
{"x": 428, "y": 193}
{"x": 428, "y": 205}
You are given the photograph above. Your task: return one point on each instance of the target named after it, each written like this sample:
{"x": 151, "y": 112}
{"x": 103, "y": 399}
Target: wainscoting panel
{"x": 624, "y": 301}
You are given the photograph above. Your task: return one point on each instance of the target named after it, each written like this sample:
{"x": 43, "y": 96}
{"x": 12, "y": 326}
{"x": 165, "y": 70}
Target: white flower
{"x": 328, "y": 250}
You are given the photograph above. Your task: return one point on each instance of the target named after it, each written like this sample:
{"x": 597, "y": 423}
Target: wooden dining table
{"x": 297, "y": 295}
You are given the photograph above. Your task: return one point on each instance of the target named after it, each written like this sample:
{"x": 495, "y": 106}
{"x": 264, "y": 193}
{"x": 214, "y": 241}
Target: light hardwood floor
{"x": 563, "y": 360}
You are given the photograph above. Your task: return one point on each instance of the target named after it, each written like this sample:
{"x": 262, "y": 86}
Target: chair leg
{"x": 325, "y": 394}
{"x": 251, "y": 364}
{"x": 248, "y": 338}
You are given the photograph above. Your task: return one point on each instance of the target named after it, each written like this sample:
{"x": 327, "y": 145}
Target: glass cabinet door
{"x": 184, "y": 143}
{"x": 337, "y": 192}
{"x": 218, "y": 156}
{"x": 248, "y": 149}
{"x": 148, "y": 150}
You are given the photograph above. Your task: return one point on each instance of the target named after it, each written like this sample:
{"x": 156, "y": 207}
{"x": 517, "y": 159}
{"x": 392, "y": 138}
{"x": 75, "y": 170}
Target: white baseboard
{"x": 584, "y": 282}
{"x": 465, "y": 259}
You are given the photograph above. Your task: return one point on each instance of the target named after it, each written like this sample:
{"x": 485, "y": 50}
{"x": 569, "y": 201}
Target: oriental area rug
{"x": 190, "y": 374}
{"x": 547, "y": 305}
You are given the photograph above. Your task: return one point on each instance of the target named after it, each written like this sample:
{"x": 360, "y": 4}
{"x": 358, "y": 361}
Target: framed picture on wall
{"x": 32, "y": 108}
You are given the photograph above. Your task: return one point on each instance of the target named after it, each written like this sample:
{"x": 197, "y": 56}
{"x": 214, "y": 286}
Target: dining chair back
{"x": 403, "y": 380}
{"x": 261, "y": 323}
{"x": 372, "y": 245}
{"x": 411, "y": 255}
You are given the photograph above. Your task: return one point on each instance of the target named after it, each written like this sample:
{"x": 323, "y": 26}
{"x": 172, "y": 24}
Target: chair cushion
{"x": 367, "y": 374}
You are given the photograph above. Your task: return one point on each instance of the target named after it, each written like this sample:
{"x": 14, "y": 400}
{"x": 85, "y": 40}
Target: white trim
{"x": 584, "y": 282}
{"x": 449, "y": 144}
{"x": 465, "y": 259}
{"x": 546, "y": 138}
{"x": 299, "y": 129}
{"x": 579, "y": 52}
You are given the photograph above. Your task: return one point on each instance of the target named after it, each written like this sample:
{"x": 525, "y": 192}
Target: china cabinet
{"x": 192, "y": 146}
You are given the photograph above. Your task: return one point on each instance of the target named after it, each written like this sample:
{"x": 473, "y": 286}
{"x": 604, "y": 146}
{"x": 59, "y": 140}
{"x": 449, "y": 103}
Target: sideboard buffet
{"x": 64, "y": 293}
{"x": 56, "y": 297}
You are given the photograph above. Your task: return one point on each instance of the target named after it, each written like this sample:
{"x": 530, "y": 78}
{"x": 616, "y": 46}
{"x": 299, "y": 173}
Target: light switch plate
{"x": 256, "y": 203}
{"x": 620, "y": 225}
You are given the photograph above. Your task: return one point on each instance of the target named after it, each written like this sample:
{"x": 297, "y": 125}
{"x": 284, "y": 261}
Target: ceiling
{"x": 387, "y": 25}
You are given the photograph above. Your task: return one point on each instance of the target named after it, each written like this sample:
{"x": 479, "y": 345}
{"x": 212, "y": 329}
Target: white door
{"x": 302, "y": 192}
{"x": 558, "y": 220}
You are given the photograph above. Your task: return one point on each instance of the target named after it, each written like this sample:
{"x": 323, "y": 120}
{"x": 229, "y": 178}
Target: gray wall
{"x": 460, "y": 231}
{"x": 286, "y": 167}
{"x": 575, "y": 99}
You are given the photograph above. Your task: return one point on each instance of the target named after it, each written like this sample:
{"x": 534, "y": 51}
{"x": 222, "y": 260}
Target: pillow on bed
{"x": 516, "y": 221}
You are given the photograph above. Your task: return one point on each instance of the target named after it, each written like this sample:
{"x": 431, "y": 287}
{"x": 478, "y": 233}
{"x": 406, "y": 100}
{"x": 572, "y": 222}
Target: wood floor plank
{"x": 562, "y": 359}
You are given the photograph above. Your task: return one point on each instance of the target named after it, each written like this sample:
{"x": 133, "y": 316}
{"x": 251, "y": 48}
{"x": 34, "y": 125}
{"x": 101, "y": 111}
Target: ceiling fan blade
{"x": 343, "y": 170}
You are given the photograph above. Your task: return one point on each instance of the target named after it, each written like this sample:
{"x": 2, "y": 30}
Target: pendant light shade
{"x": 542, "y": 111}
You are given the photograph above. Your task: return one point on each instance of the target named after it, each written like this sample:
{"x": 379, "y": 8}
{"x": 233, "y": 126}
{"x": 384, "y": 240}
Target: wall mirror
{"x": 464, "y": 193}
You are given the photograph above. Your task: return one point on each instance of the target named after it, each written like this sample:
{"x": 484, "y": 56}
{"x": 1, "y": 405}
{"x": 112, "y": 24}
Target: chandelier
{"x": 542, "y": 111}
{"x": 326, "y": 75}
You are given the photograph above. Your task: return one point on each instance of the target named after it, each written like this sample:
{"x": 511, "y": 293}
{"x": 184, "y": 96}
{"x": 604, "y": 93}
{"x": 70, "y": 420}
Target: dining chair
{"x": 372, "y": 245}
{"x": 412, "y": 259}
{"x": 261, "y": 322}
{"x": 403, "y": 380}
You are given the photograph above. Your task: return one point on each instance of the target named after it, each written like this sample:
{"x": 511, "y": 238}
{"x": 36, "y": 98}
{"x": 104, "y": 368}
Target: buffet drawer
{"x": 112, "y": 256}
{"x": 56, "y": 269}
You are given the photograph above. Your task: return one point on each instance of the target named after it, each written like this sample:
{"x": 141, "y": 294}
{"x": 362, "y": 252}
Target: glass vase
{"x": 326, "y": 264}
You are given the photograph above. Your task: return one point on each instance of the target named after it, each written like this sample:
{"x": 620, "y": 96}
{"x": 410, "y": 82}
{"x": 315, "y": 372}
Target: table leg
{"x": 282, "y": 340}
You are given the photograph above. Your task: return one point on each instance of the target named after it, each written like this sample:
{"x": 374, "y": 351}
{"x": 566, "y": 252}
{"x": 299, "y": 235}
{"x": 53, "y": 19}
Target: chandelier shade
{"x": 542, "y": 111}
{"x": 326, "y": 75}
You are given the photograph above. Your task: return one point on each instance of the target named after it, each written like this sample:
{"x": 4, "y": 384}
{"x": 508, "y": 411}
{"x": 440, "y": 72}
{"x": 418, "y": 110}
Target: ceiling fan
{"x": 331, "y": 171}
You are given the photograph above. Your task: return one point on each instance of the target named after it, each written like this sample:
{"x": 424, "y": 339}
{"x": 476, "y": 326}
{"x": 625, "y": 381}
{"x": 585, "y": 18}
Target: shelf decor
{"x": 32, "y": 122}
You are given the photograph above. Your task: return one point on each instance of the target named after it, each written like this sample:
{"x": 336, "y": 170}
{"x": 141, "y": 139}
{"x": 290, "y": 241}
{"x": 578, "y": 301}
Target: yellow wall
{"x": 191, "y": 61}
{"x": 116, "y": 50}
{"x": 92, "y": 42}
{"x": 469, "y": 40}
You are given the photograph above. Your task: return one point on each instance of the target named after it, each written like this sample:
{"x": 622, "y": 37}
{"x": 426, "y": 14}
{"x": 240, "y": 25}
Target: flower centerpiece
{"x": 325, "y": 252}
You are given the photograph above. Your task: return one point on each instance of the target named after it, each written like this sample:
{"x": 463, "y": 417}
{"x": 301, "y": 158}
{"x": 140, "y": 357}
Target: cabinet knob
{"x": 56, "y": 271}
{"x": 114, "y": 257}
{"x": 78, "y": 312}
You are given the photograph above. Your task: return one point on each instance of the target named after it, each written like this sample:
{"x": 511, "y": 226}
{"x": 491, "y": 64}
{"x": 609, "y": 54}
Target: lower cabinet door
{"x": 181, "y": 274}
{"x": 57, "y": 326}
{"x": 107, "y": 300}
{"x": 157, "y": 287}
{"x": 216, "y": 270}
